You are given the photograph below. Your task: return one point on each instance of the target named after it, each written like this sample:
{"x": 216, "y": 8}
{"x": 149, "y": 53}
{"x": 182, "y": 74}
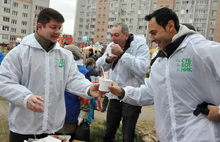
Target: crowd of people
{"x": 52, "y": 90}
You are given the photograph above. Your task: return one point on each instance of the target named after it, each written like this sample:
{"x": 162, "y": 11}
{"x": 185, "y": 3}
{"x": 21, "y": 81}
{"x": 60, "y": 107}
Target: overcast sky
{"x": 67, "y": 9}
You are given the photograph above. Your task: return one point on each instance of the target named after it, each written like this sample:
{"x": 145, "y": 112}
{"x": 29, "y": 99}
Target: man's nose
{"x": 152, "y": 39}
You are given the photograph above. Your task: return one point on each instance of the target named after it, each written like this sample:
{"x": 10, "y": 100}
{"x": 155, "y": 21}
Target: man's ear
{"x": 170, "y": 26}
{"x": 126, "y": 36}
{"x": 39, "y": 26}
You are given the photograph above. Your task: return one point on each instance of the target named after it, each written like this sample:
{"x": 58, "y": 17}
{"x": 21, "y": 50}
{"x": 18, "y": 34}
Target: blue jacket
{"x": 92, "y": 70}
{"x": 1, "y": 57}
{"x": 72, "y": 101}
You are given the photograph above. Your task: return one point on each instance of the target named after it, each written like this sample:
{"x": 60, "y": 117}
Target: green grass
{"x": 97, "y": 133}
{"x": 4, "y": 130}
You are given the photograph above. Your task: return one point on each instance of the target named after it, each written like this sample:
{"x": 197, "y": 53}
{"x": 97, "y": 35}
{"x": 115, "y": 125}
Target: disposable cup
{"x": 110, "y": 53}
{"x": 104, "y": 83}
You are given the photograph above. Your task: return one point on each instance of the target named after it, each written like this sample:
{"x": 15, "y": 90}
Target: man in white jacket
{"x": 33, "y": 78}
{"x": 183, "y": 78}
{"x": 129, "y": 66}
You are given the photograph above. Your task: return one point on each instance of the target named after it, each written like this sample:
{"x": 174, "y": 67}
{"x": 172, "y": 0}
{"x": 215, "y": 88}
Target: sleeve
{"x": 77, "y": 83}
{"x": 142, "y": 96}
{"x": 1, "y": 57}
{"x": 139, "y": 63}
{"x": 10, "y": 79}
{"x": 208, "y": 52}
{"x": 84, "y": 110}
{"x": 102, "y": 63}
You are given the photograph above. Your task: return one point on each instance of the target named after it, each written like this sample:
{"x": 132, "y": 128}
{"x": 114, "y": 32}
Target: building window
{"x": 215, "y": 4}
{"x": 97, "y": 36}
{"x": 88, "y": 13}
{"x": 97, "y": 29}
{"x": 132, "y": 13}
{"x": 83, "y": 1}
{"x": 100, "y": 9}
{"x": 82, "y": 7}
{"x": 35, "y": 24}
{"x": 100, "y": 2}
{"x": 132, "y": 5}
{"x": 211, "y": 31}
{"x": 24, "y": 15}
{"x": 5, "y": 28}
{"x": 15, "y": 4}
{"x": 36, "y": 16}
{"x": 81, "y": 13}
{"x": 101, "y": 36}
{"x": 6, "y": 10}
{"x": 98, "y": 22}
{"x": 6, "y": 19}
{"x": 99, "y": 15}
{"x": 25, "y": 6}
{"x": 103, "y": 23}
{"x": 24, "y": 23}
{"x": 124, "y": 6}
{"x": 23, "y": 31}
{"x": 103, "y": 15}
{"x": 102, "y": 30}
{"x": 39, "y": 8}
{"x": 4, "y": 36}
{"x": 7, "y": 1}
{"x": 130, "y": 28}
{"x": 15, "y": 13}
{"x": 89, "y": 8}
{"x": 12, "y": 38}
{"x": 213, "y": 22}
{"x": 105, "y": 1}
{"x": 81, "y": 20}
{"x": 14, "y": 21}
{"x": 79, "y": 33}
{"x": 131, "y": 21}
{"x": 13, "y": 30}
{"x": 211, "y": 38}
{"x": 104, "y": 8}
{"x": 154, "y": 5}
{"x": 80, "y": 26}
{"x": 214, "y": 13}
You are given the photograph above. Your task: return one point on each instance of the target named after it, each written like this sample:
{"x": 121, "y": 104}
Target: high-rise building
{"x": 95, "y": 18}
{"x": 19, "y": 18}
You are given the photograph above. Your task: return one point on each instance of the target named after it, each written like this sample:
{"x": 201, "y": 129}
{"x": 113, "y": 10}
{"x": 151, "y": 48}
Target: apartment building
{"x": 18, "y": 18}
{"x": 94, "y": 18}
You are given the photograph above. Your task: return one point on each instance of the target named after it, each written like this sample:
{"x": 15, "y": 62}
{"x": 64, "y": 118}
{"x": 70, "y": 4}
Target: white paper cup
{"x": 110, "y": 53}
{"x": 104, "y": 83}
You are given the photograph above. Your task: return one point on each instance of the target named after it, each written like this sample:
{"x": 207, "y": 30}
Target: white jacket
{"x": 28, "y": 69}
{"x": 177, "y": 85}
{"x": 131, "y": 67}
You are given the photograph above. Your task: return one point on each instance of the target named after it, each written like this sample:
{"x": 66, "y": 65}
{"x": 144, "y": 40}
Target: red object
{"x": 90, "y": 49}
{"x": 85, "y": 101}
{"x": 61, "y": 40}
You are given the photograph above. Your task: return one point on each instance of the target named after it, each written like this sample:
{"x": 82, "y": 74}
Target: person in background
{"x": 77, "y": 109}
{"x": 184, "y": 86}
{"x": 101, "y": 52}
{"x": 90, "y": 65}
{"x": 129, "y": 67}
{"x": 34, "y": 77}
{"x": 2, "y": 56}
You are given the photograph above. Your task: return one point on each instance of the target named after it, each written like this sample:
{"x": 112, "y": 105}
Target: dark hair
{"x": 189, "y": 26}
{"x": 47, "y": 14}
{"x": 124, "y": 27}
{"x": 163, "y": 16}
{"x": 89, "y": 61}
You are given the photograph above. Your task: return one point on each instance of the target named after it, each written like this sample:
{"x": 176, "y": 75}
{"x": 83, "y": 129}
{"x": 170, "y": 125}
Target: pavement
{"x": 147, "y": 112}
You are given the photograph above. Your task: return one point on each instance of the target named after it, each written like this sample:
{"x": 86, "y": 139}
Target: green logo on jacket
{"x": 59, "y": 63}
{"x": 129, "y": 51}
{"x": 184, "y": 65}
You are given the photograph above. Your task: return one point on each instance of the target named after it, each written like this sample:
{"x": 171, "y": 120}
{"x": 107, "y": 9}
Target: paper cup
{"x": 104, "y": 83}
{"x": 110, "y": 53}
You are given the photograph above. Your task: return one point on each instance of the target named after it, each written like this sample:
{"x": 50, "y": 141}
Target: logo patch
{"x": 59, "y": 63}
{"x": 129, "y": 51}
{"x": 184, "y": 65}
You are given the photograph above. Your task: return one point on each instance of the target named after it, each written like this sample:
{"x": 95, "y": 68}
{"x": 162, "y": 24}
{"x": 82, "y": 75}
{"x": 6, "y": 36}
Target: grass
{"x": 96, "y": 131}
{"x": 4, "y": 130}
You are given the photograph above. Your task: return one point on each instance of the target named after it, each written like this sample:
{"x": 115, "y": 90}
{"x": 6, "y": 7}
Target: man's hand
{"x": 94, "y": 90}
{"x": 213, "y": 113}
{"x": 116, "y": 49}
{"x": 111, "y": 59}
{"x": 115, "y": 89}
{"x": 34, "y": 102}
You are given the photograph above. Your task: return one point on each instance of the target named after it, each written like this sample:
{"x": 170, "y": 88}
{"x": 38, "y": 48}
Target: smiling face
{"x": 159, "y": 35}
{"x": 118, "y": 37}
{"x": 51, "y": 31}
